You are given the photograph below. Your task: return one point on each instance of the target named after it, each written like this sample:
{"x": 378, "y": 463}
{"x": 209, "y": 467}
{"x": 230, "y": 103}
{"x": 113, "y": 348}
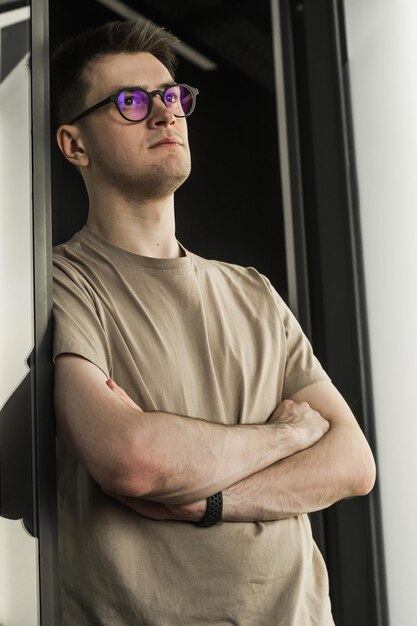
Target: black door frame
{"x": 325, "y": 271}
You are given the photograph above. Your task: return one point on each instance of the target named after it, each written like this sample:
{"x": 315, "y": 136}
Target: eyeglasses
{"x": 135, "y": 104}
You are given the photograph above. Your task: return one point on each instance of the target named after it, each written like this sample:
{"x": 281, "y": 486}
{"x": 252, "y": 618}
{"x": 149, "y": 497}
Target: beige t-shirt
{"x": 203, "y": 339}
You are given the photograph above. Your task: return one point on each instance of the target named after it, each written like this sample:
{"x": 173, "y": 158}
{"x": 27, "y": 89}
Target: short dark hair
{"x": 69, "y": 83}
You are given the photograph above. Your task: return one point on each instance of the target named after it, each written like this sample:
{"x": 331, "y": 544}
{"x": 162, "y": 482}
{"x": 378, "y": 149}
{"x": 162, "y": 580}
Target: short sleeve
{"x": 302, "y": 368}
{"x": 77, "y": 326}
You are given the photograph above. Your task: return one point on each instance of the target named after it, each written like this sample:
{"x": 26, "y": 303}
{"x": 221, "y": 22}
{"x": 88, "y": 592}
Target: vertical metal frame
{"x": 318, "y": 159}
{"x": 290, "y": 165}
{"x": 43, "y": 430}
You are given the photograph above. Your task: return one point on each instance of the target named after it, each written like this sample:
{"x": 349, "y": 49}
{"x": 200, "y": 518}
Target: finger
{"x": 121, "y": 393}
{"x": 115, "y": 387}
{"x": 117, "y": 390}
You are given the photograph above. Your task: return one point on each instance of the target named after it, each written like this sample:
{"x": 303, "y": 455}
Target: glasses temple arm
{"x": 91, "y": 109}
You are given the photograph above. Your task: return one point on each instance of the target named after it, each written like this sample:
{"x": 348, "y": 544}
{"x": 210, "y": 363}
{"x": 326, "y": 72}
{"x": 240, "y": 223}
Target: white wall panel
{"x": 18, "y": 550}
{"x": 382, "y": 47}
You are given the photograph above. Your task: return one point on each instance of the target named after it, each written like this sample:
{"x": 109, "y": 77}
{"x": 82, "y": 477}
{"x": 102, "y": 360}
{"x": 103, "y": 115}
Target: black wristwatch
{"x": 214, "y": 511}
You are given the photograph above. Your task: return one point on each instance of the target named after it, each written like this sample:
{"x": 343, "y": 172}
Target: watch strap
{"x": 214, "y": 511}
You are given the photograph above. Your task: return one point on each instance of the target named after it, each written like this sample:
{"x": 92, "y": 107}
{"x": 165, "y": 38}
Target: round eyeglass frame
{"x": 114, "y": 97}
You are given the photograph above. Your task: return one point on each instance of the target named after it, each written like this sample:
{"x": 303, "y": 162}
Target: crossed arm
{"x": 309, "y": 454}
{"x": 338, "y": 466}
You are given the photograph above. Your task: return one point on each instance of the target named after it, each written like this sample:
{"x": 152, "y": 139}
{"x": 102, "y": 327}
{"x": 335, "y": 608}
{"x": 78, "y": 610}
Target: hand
{"x": 159, "y": 511}
{"x": 255, "y": 498}
{"x": 307, "y": 423}
{"x": 121, "y": 393}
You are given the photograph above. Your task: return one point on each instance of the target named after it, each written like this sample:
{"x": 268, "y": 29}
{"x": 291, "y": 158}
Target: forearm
{"x": 246, "y": 500}
{"x": 336, "y": 467}
{"x": 162, "y": 457}
{"x": 167, "y": 457}
{"x": 188, "y": 459}
{"x": 332, "y": 467}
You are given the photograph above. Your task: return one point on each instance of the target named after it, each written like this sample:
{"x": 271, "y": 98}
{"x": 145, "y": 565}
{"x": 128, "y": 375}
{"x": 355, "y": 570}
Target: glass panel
{"x": 18, "y": 549}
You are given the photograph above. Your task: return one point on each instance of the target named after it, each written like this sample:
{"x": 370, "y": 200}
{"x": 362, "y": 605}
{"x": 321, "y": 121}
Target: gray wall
{"x": 383, "y": 69}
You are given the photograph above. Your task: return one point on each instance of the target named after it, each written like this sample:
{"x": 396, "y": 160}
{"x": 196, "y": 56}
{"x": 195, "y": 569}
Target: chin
{"x": 170, "y": 180}
{"x": 168, "y": 187}
{"x": 154, "y": 185}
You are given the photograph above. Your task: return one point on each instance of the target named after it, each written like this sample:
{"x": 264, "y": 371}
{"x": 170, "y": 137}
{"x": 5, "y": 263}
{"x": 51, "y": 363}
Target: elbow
{"x": 129, "y": 473}
{"x": 124, "y": 482}
{"x": 366, "y": 476}
{"x": 368, "y": 480}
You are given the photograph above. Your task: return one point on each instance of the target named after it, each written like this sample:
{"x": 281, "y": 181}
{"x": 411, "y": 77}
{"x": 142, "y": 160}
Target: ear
{"x": 71, "y": 144}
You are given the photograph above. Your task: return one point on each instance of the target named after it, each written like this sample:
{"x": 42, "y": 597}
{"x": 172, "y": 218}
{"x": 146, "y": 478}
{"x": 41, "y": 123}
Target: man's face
{"x": 125, "y": 154}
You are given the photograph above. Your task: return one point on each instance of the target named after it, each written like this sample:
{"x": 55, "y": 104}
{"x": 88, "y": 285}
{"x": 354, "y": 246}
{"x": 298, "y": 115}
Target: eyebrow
{"x": 117, "y": 88}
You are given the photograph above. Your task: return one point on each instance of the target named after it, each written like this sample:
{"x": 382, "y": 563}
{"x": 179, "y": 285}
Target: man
{"x": 196, "y": 429}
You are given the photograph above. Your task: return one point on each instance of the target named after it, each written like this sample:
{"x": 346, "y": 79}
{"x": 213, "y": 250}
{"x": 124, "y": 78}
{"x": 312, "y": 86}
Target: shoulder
{"x": 73, "y": 259}
{"x": 235, "y": 274}
{"x": 72, "y": 270}
{"x": 65, "y": 254}
{"x": 246, "y": 284}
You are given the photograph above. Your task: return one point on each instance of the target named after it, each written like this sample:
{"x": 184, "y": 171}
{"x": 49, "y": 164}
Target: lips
{"x": 167, "y": 141}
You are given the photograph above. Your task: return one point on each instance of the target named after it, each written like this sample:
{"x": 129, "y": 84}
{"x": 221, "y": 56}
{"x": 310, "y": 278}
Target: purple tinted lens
{"x": 186, "y": 100}
{"x": 133, "y": 104}
{"x": 179, "y": 99}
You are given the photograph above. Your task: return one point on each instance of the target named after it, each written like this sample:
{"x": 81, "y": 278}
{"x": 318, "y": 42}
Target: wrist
{"x": 291, "y": 439}
{"x": 233, "y": 504}
{"x": 196, "y": 510}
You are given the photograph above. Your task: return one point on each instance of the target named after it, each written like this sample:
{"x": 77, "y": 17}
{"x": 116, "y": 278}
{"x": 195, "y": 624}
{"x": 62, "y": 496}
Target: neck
{"x": 145, "y": 227}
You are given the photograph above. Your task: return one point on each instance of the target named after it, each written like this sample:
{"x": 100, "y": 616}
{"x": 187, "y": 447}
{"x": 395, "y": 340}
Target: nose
{"x": 160, "y": 114}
